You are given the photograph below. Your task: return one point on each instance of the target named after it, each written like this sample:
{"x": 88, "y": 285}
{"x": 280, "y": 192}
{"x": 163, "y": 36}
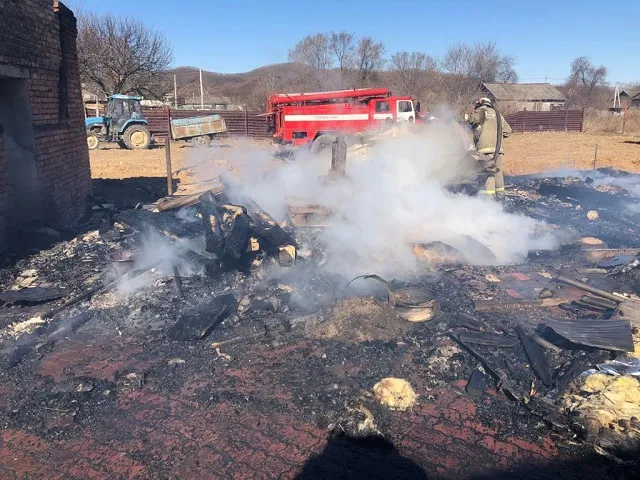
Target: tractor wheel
{"x": 93, "y": 142}
{"x": 137, "y": 137}
{"x": 321, "y": 143}
{"x": 201, "y": 141}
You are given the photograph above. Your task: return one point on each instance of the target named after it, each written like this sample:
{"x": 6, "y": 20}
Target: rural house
{"x": 628, "y": 99}
{"x": 44, "y": 163}
{"x": 540, "y": 97}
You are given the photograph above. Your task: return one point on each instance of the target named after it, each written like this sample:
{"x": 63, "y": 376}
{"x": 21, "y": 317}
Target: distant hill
{"x": 238, "y": 88}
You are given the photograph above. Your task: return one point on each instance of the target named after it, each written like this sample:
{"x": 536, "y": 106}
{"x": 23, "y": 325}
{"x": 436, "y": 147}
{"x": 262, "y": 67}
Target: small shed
{"x": 540, "y": 97}
{"x": 629, "y": 98}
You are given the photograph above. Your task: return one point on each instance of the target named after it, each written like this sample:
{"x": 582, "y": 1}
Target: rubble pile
{"x": 228, "y": 276}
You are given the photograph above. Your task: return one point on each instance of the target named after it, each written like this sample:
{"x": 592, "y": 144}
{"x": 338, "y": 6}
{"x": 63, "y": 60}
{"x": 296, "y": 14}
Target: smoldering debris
{"x": 253, "y": 282}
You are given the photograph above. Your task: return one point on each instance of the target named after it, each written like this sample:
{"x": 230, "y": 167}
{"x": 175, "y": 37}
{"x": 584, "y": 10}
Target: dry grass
{"x": 602, "y": 121}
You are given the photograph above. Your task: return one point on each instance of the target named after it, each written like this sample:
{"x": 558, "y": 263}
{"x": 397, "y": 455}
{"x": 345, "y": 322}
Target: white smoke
{"x": 392, "y": 198}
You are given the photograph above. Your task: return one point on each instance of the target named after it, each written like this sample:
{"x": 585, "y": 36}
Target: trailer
{"x": 199, "y": 131}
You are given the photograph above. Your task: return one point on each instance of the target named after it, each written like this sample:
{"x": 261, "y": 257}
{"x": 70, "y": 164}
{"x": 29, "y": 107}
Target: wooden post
{"x": 167, "y": 154}
{"x": 624, "y": 118}
{"x": 566, "y": 119}
{"x": 524, "y": 119}
{"x": 246, "y": 121}
{"x": 582, "y": 121}
{"x": 338, "y": 157}
{"x": 595, "y": 157}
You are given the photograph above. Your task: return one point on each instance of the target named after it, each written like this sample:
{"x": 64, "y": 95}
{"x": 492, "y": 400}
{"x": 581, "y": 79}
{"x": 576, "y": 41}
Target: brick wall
{"x": 40, "y": 36}
{"x": 5, "y": 202}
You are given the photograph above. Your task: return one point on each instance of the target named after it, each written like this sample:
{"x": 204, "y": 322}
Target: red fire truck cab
{"x": 302, "y": 118}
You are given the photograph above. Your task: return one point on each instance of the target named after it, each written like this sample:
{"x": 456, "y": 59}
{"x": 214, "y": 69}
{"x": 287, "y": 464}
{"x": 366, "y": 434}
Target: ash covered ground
{"x": 262, "y": 370}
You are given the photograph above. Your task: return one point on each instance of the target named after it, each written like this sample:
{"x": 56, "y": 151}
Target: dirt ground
{"x": 548, "y": 151}
{"x": 524, "y": 153}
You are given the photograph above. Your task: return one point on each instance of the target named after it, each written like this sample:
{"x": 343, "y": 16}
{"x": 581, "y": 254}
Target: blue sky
{"x": 543, "y": 35}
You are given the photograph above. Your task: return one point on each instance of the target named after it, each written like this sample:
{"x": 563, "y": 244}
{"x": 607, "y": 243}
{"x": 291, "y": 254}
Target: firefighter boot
{"x": 489, "y": 187}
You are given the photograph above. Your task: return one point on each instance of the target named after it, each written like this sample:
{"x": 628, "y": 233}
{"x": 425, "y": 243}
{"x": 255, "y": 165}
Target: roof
{"x": 525, "y": 92}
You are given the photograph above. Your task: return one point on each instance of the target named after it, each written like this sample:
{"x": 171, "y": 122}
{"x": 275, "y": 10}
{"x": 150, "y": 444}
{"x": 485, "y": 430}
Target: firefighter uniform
{"x": 485, "y": 132}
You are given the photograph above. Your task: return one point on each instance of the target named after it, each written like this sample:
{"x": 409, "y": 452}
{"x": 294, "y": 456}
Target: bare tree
{"x": 342, "y": 46}
{"x": 482, "y": 62}
{"x": 266, "y": 85}
{"x": 468, "y": 66}
{"x": 411, "y": 70}
{"x": 122, "y": 55}
{"x": 585, "y": 81}
{"x": 369, "y": 59}
{"x": 312, "y": 50}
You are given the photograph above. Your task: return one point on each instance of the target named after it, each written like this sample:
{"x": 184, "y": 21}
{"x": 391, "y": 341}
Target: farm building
{"x": 44, "y": 163}
{"x": 628, "y": 99}
{"x": 540, "y": 97}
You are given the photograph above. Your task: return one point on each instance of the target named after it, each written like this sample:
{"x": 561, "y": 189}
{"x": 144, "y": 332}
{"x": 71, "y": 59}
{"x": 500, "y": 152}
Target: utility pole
{"x": 201, "y": 92}
{"x": 616, "y": 97}
{"x": 175, "y": 92}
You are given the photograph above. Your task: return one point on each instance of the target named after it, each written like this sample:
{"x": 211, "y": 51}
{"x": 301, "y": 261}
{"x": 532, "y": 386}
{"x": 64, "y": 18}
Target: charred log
{"x": 198, "y": 322}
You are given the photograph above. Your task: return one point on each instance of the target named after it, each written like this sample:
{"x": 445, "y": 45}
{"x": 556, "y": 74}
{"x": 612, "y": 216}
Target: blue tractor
{"x": 123, "y": 123}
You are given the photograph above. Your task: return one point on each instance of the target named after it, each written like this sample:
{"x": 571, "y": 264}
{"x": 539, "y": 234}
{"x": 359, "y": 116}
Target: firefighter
{"x": 485, "y": 139}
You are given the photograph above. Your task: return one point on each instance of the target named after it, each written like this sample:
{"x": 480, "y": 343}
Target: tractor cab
{"x": 121, "y": 111}
{"x": 123, "y": 123}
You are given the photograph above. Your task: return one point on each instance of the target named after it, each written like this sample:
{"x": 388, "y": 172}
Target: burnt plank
{"x": 477, "y": 383}
{"x": 32, "y": 295}
{"x": 487, "y": 339}
{"x": 198, "y": 322}
{"x": 535, "y": 354}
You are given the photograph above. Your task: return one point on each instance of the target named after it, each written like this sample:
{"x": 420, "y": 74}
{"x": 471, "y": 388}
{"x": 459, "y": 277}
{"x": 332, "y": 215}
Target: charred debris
{"x": 203, "y": 268}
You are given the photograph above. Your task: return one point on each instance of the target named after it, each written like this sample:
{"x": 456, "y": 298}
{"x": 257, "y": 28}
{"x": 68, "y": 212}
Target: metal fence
{"x": 239, "y": 122}
{"x": 553, "y": 121}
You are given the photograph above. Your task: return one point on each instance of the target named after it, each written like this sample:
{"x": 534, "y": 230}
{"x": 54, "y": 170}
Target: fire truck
{"x": 304, "y": 118}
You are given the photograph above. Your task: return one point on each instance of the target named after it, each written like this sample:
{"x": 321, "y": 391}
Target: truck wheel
{"x": 201, "y": 141}
{"x": 93, "y": 142}
{"x": 137, "y": 137}
{"x": 322, "y": 142}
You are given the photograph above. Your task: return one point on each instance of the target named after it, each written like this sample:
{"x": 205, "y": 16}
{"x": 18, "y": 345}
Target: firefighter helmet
{"x": 484, "y": 101}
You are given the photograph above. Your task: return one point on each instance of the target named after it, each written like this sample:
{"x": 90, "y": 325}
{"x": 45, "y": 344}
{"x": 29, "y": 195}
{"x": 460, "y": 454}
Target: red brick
{"x": 37, "y": 38}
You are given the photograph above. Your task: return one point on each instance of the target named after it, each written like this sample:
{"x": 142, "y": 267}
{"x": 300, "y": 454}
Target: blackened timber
{"x": 501, "y": 378}
{"x": 235, "y": 230}
{"x": 211, "y": 216}
{"x": 198, "y": 322}
{"x": 536, "y": 356}
{"x": 210, "y": 267}
{"x": 477, "y": 383}
{"x": 263, "y": 226}
{"x": 487, "y": 339}
{"x": 32, "y": 295}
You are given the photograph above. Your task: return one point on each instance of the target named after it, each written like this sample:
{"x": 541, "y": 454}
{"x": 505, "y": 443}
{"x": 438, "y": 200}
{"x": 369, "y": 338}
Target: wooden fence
{"x": 555, "y": 120}
{"x": 239, "y": 122}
